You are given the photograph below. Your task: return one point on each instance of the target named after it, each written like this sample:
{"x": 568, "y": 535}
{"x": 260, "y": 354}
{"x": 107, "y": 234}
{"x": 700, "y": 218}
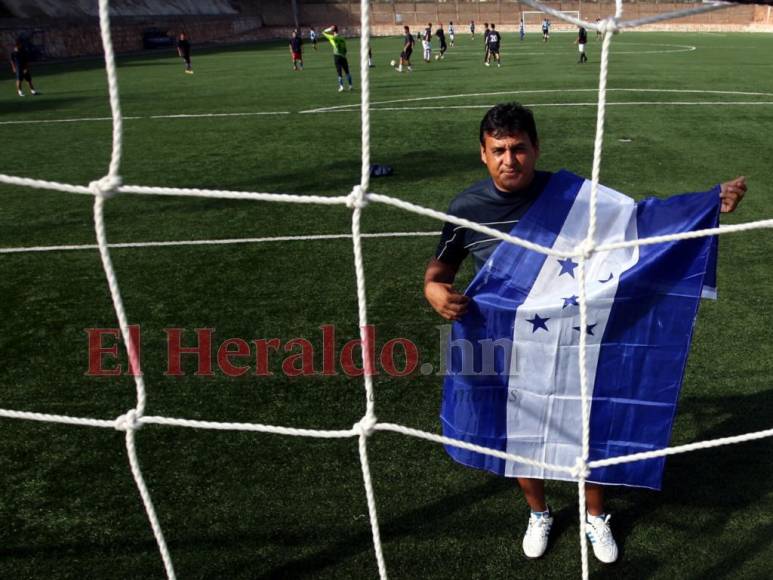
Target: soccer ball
{"x": 437, "y": 57}
{"x": 392, "y": 63}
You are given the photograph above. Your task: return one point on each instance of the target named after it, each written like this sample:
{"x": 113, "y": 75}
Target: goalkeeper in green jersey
{"x": 339, "y": 56}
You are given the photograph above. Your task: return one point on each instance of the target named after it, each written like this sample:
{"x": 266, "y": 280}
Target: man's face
{"x": 510, "y": 160}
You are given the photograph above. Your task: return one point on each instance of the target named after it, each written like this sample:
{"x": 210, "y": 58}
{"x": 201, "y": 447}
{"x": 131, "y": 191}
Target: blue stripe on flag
{"x": 647, "y": 339}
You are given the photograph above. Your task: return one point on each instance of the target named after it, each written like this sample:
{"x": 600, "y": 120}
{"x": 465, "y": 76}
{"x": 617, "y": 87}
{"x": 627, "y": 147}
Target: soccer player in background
{"x": 339, "y": 56}
{"x": 296, "y": 44}
{"x": 472, "y": 29}
{"x": 405, "y": 55}
{"x": 21, "y": 69}
{"x": 494, "y": 39}
{"x": 451, "y": 33}
{"x": 486, "y": 33}
{"x": 313, "y": 37}
{"x": 582, "y": 40}
{"x": 545, "y": 30}
{"x": 426, "y": 42}
{"x": 509, "y": 147}
{"x": 440, "y": 33}
{"x": 184, "y": 50}
{"x": 522, "y": 29}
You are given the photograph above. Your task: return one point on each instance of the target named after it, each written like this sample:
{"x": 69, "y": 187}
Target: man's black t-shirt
{"x": 441, "y": 35}
{"x": 295, "y": 44}
{"x": 485, "y": 204}
{"x": 19, "y": 59}
{"x": 185, "y": 47}
{"x": 493, "y": 40}
{"x": 583, "y": 36}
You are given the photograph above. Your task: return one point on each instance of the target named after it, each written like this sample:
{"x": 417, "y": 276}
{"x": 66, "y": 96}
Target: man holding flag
{"x": 641, "y": 301}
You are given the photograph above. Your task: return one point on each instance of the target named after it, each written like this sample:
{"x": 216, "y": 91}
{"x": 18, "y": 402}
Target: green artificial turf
{"x": 246, "y": 505}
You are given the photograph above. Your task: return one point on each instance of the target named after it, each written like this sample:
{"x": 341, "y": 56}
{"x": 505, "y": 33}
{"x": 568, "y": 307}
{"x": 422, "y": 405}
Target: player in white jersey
{"x": 451, "y": 33}
{"x": 426, "y": 42}
{"x": 313, "y": 37}
{"x": 545, "y": 30}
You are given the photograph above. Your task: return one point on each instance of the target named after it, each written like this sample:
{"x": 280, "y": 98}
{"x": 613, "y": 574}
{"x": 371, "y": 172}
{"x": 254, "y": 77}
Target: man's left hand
{"x": 731, "y": 193}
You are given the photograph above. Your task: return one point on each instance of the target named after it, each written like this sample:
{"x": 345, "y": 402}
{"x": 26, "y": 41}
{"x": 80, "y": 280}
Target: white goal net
{"x": 532, "y": 20}
{"x": 135, "y": 418}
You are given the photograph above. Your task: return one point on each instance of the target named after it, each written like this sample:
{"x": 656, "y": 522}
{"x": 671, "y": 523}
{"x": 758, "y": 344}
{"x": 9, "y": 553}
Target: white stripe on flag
{"x": 543, "y": 407}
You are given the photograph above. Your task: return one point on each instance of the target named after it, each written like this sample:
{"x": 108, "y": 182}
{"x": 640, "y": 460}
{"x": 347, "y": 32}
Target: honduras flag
{"x": 513, "y": 380}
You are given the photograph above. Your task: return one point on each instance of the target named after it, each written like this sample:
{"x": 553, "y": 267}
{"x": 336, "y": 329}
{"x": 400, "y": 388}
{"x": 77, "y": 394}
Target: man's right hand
{"x": 446, "y": 301}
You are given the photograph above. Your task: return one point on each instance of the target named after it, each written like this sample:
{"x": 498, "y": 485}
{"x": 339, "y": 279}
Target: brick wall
{"x": 66, "y": 39}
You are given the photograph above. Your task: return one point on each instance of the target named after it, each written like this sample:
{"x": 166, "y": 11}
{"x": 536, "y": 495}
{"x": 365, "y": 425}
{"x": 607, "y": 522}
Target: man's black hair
{"x": 507, "y": 119}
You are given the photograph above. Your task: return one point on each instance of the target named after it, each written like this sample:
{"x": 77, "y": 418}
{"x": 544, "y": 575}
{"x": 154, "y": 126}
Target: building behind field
{"x": 53, "y": 29}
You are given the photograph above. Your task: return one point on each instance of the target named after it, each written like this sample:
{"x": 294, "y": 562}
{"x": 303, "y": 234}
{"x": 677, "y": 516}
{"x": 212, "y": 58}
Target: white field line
{"x": 540, "y": 91}
{"x": 27, "y": 249}
{"x": 376, "y": 104}
{"x": 589, "y": 104}
{"x": 185, "y": 116}
{"x": 516, "y": 52}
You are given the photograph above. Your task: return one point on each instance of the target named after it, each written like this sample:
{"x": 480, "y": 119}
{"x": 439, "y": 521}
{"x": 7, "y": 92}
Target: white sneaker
{"x": 340, "y": 88}
{"x": 600, "y": 535}
{"x": 535, "y": 540}
{"x": 350, "y": 87}
{"x": 487, "y": 64}
{"x": 21, "y": 93}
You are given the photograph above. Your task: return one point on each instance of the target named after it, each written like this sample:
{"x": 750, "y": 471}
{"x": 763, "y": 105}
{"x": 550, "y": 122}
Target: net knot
{"x": 609, "y": 25}
{"x": 129, "y": 420}
{"x": 356, "y": 199}
{"x": 365, "y": 426}
{"x": 586, "y": 248}
{"x": 580, "y": 469}
{"x": 106, "y": 187}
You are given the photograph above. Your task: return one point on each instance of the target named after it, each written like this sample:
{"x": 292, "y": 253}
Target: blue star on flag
{"x": 588, "y": 329}
{"x": 538, "y": 323}
{"x": 567, "y": 267}
{"x": 570, "y": 301}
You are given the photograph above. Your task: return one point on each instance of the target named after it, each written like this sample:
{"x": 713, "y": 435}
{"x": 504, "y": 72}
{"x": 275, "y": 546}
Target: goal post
{"x": 532, "y": 20}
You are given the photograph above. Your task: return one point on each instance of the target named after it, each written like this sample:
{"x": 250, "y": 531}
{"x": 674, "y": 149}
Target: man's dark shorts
{"x": 341, "y": 64}
{"x": 23, "y": 75}
{"x": 406, "y": 54}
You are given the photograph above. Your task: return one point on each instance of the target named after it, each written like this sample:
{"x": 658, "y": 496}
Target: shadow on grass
{"x": 30, "y": 103}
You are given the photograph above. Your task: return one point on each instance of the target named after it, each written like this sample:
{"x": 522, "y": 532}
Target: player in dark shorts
{"x": 440, "y": 33}
{"x": 405, "y": 55}
{"x": 494, "y": 38}
{"x": 339, "y": 55}
{"x": 486, "y": 33}
{"x": 184, "y": 50}
{"x": 20, "y": 66}
{"x": 296, "y": 50}
{"x": 472, "y": 29}
{"x": 313, "y": 37}
{"x": 582, "y": 40}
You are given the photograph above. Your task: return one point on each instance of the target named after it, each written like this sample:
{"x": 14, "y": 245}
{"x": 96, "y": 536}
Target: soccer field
{"x": 685, "y": 111}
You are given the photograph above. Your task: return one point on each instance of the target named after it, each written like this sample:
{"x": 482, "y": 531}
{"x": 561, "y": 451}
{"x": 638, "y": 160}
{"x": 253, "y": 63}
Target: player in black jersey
{"x": 296, "y": 49}
{"x": 405, "y": 55}
{"x": 440, "y": 33}
{"x": 184, "y": 50}
{"x": 486, "y": 33}
{"x": 494, "y": 38}
{"x": 582, "y": 40}
{"x": 21, "y": 68}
